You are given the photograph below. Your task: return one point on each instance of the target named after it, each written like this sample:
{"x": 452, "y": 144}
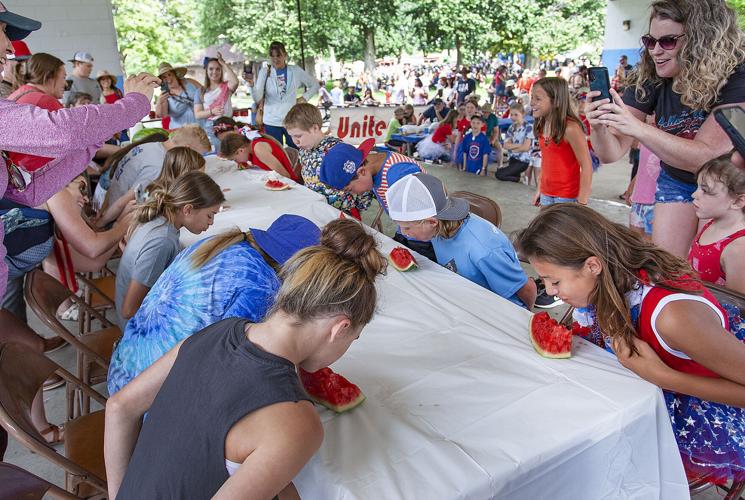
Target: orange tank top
{"x": 559, "y": 169}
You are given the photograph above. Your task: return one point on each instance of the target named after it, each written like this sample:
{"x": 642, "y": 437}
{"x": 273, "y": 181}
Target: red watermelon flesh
{"x": 275, "y": 185}
{"x": 549, "y": 338}
{"x": 331, "y": 390}
{"x": 402, "y": 259}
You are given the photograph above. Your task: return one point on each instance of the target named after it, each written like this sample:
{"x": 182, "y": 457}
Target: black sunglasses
{"x": 667, "y": 42}
{"x": 15, "y": 174}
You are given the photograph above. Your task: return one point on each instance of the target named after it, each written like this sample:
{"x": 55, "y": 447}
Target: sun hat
{"x": 18, "y": 27}
{"x": 342, "y": 162}
{"x": 286, "y": 236}
{"x": 420, "y": 196}
{"x": 21, "y": 51}
{"x": 164, "y": 68}
{"x": 106, "y": 74}
{"x": 83, "y": 57}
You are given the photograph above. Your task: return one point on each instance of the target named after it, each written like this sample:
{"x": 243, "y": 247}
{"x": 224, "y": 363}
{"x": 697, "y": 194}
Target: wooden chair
{"x": 377, "y": 223}
{"x": 294, "y": 156}
{"x": 44, "y": 294}
{"x": 99, "y": 293}
{"x": 22, "y": 374}
{"x": 484, "y": 207}
{"x": 18, "y": 483}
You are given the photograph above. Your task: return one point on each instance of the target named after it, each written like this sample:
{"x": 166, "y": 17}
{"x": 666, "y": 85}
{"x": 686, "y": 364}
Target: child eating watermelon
{"x": 464, "y": 243}
{"x": 649, "y": 308}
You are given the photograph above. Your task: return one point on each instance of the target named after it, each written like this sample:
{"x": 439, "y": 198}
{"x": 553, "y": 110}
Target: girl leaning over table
{"x": 260, "y": 429}
{"x": 649, "y": 308}
{"x": 153, "y": 241}
{"x": 229, "y": 275}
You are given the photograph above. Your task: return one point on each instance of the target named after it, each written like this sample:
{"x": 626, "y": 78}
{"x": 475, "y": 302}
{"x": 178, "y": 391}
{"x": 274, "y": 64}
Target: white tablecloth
{"x": 459, "y": 405}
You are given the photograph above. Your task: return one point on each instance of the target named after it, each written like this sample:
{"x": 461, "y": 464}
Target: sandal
{"x": 57, "y": 434}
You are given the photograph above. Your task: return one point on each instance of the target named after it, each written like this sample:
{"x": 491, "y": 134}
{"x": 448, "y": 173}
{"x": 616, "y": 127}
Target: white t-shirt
{"x": 337, "y": 96}
{"x": 142, "y": 165}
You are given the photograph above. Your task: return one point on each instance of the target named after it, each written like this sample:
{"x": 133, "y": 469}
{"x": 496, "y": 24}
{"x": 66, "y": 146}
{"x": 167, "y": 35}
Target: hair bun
{"x": 350, "y": 241}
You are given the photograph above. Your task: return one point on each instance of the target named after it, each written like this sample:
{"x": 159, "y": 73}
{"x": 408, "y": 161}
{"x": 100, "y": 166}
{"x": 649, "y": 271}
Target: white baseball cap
{"x": 420, "y": 196}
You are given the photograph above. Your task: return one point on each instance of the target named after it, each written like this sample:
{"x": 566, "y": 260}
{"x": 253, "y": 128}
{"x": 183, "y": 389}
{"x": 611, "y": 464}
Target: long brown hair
{"x": 567, "y": 234}
{"x": 335, "y": 277}
{"x": 713, "y": 46}
{"x": 217, "y": 244}
{"x": 562, "y": 110}
{"x": 207, "y": 81}
{"x": 41, "y": 68}
{"x": 451, "y": 118}
{"x": 178, "y": 161}
{"x": 193, "y": 188}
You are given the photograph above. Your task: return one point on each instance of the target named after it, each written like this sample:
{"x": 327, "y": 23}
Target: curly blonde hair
{"x": 713, "y": 46}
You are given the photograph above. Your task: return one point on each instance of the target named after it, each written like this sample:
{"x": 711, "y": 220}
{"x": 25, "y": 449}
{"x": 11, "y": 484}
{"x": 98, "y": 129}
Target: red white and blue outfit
{"x": 710, "y": 436}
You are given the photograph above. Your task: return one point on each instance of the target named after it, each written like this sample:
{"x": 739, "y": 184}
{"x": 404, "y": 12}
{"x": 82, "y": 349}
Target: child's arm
{"x": 576, "y": 138}
{"x": 695, "y": 329}
{"x": 733, "y": 264}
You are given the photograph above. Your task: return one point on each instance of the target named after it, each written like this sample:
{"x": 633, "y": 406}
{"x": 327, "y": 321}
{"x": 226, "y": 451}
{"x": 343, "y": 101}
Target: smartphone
{"x": 163, "y": 87}
{"x": 599, "y": 80}
{"x": 732, "y": 120}
{"x": 248, "y": 68}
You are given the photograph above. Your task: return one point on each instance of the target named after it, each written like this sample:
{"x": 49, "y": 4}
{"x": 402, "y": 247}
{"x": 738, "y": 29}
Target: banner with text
{"x": 354, "y": 125}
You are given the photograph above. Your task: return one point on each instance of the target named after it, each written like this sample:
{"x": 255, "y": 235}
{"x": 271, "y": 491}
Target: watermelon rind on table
{"x": 549, "y": 338}
{"x": 402, "y": 259}
{"x": 331, "y": 390}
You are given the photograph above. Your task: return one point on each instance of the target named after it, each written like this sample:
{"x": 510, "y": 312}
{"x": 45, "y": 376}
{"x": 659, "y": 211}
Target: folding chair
{"x": 44, "y": 294}
{"x": 19, "y": 483}
{"x": 22, "y": 374}
{"x": 484, "y": 207}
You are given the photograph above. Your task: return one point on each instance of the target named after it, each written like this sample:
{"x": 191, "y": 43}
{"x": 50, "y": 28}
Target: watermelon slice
{"x": 276, "y": 185}
{"x": 549, "y": 338}
{"x": 331, "y": 390}
{"x": 402, "y": 259}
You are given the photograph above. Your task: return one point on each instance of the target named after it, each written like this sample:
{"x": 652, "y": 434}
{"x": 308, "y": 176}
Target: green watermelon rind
{"x": 412, "y": 264}
{"x": 545, "y": 354}
{"x": 343, "y": 408}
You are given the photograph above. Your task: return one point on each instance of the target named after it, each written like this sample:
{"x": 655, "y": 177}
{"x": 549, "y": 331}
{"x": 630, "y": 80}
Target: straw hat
{"x": 166, "y": 67}
{"x": 106, "y": 74}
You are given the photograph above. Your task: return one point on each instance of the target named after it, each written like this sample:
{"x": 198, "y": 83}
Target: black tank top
{"x": 218, "y": 378}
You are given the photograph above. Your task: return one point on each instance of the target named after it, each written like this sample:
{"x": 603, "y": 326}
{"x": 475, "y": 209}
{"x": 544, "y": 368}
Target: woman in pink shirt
{"x": 69, "y": 136}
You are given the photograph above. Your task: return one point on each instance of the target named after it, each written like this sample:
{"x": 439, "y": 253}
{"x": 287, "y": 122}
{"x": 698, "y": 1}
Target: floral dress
{"x": 234, "y": 283}
{"x": 311, "y": 160}
{"x": 710, "y": 436}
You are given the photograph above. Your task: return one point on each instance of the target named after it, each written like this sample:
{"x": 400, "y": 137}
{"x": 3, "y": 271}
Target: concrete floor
{"x": 514, "y": 200}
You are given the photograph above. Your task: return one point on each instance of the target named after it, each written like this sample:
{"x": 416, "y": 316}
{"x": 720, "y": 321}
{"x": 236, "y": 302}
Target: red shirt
{"x": 654, "y": 300}
{"x": 442, "y": 132}
{"x": 277, "y": 152}
{"x": 464, "y": 126}
{"x": 559, "y": 169}
{"x": 707, "y": 259}
{"x": 28, "y": 94}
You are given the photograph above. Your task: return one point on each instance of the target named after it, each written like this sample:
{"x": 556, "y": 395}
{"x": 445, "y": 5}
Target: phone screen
{"x": 736, "y": 116}
{"x": 599, "y": 80}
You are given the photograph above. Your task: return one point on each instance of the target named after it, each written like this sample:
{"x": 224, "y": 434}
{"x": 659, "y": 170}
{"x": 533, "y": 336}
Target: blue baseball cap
{"x": 17, "y": 27}
{"x": 342, "y": 161}
{"x": 286, "y": 236}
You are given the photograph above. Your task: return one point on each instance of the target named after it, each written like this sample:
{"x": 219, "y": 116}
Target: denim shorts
{"x": 641, "y": 216}
{"x": 671, "y": 190}
{"x": 551, "y": 200}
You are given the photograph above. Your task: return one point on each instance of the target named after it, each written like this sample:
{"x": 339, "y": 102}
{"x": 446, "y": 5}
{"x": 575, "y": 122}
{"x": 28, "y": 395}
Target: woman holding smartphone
{"x": 694, "y": 62}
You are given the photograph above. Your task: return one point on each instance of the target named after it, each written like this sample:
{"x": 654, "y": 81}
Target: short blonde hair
{"x": 303, "y": 116}
{"x": 189, "y": 134}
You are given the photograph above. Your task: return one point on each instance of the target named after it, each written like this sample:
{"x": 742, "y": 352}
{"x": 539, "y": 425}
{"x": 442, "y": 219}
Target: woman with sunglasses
{"x": 694, "y": 62}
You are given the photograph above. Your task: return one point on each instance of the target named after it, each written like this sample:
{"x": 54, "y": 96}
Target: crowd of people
{"x": 236, "y": 315}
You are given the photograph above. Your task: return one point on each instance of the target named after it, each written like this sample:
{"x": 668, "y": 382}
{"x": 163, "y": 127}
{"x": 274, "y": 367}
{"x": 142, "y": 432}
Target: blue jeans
{"x": 551, "y": 200}
{"x": 671, "y": 190}
{"x": 279, "y": 133}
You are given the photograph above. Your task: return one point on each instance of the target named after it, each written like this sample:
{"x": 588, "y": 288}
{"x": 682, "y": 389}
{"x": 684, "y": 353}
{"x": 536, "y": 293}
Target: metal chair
{"x": 19, "y": 483}
{"x": 44, "y": 294}
{"x": 22, "y": 374}
{"x": 484, "y": 207}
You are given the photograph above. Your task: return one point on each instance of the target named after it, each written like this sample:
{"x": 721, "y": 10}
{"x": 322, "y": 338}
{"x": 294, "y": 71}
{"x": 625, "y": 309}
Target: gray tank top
{"x": 218, "y": 378}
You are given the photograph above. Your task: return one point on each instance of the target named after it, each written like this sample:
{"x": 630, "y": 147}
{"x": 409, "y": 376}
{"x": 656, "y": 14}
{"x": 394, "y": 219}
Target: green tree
{"x": 154, "y": 31}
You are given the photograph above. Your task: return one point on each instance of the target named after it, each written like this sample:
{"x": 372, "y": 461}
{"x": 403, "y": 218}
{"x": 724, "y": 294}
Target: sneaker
{"x": 546, "y": 301}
